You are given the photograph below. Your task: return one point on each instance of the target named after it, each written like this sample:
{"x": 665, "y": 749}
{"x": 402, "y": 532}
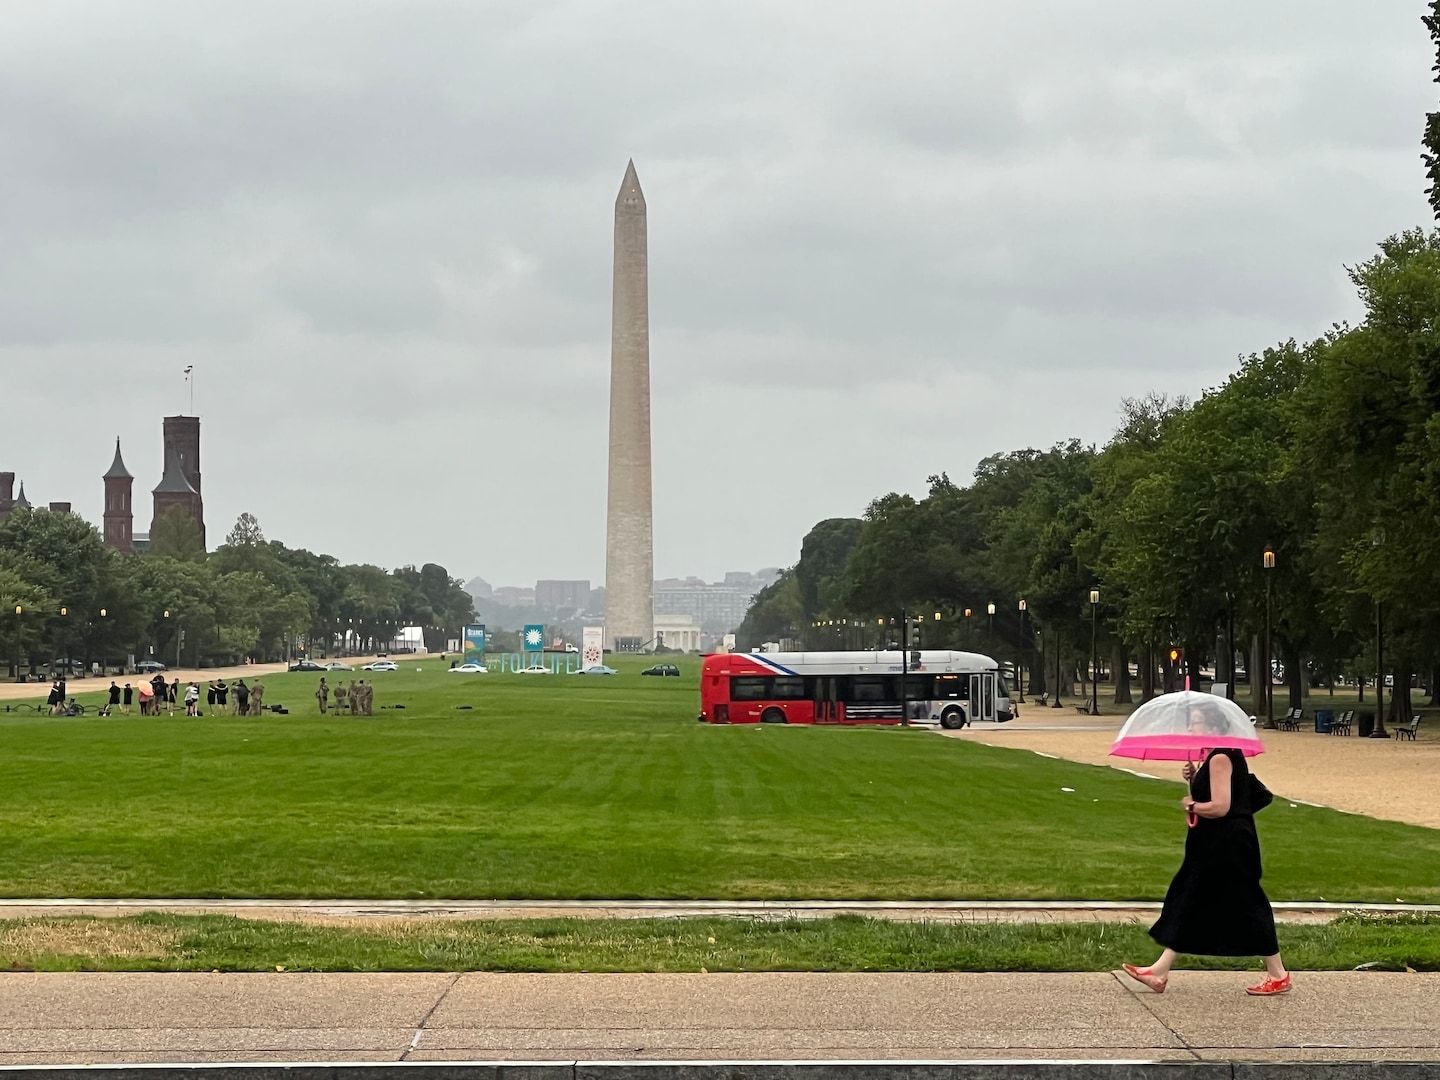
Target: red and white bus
{"x": 946, "y": 688}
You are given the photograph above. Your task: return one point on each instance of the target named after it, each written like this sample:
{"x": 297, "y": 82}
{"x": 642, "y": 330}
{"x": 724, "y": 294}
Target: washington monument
{"x": 629, "y": 533}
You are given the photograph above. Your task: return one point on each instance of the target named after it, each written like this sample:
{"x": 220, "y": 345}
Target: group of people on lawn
{"x": 358, "y": 698}
{"x": 157, "y": 694}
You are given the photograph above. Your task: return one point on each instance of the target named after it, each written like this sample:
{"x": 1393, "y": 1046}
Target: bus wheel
{"x": 952, "y": 718}
{"x": 773, "y": 716}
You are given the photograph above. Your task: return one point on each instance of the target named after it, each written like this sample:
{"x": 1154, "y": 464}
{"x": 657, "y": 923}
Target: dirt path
{"x": 1380, "y": 778}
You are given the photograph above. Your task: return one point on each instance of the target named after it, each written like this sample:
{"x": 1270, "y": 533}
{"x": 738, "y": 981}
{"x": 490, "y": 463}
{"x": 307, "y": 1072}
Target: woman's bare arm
{"x": 1219, "y": 804}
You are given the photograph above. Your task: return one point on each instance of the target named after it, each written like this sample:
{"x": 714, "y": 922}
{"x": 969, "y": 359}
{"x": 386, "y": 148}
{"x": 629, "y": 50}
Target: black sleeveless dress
{"x": 1215, "y": 905}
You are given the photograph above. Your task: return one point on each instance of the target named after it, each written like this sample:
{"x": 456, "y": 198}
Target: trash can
{"x": 1366, "y": 720}
{"x": 1323, "y": 719}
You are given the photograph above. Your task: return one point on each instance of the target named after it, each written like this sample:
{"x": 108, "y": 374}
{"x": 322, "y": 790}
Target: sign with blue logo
{"x": 534, "y": 638}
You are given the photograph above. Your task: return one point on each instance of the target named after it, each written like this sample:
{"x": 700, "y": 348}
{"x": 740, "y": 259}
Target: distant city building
{"x": 479, "y": 588}
{"x": 717, "y": 607}
{"x": 677, "y": 632}
{"x": 557, "y": 595}
{"x": 512, "y": 596}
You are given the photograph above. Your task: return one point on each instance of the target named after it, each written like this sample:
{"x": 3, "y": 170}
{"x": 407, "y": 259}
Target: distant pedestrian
{"x": 242, "y": 698}
{"x": 127, "y": 697}
{"x": 222, "y": 696}
{"x": 114, "y": 693}
{"x": 56, "y": 700}
{"x": 322, "y": 695}
{"x": 172, "y": 696}
{"x": 342, "y": 698}
{"x": 192, "y": 700}
{"x": 257, "y": 697}
{"x": 1215, "y": 905}
{"x": 210, "y": 694}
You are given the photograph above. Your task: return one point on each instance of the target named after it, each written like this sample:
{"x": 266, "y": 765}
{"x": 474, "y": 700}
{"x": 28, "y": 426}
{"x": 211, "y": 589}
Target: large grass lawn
{"x": 592, "y": 787}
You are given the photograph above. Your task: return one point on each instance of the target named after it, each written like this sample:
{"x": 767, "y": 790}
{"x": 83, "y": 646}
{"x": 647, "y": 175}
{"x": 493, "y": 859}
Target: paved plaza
{"x": 75, "y": 1018}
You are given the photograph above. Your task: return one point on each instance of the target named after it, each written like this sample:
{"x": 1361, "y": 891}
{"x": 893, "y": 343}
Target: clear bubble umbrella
{"x": 1184, "y": 726}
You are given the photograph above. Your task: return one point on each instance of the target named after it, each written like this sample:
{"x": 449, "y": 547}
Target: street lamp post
{"x": 1378, "y": 731}
{"x": 1055, "y": 698}
{"x": 1094, "y": 656}
{"x": 19, "y": 611}
{"x": 1268, "y": 561}
{"x": 990, "y": 626}
{"x": 1020, "y": 656}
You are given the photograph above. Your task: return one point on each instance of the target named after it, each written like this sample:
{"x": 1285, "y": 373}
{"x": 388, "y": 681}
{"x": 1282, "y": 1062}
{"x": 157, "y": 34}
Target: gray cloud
{"x": 885, "y": 241}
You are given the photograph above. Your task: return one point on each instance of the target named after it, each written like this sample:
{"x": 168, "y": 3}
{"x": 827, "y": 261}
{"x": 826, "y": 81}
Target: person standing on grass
{"x": 172, "y": 695}
{"x": 1215, "y": 905}
{"x": 192, "y": 700}
{"x": 114, "y": 693}
{"x": 257, "y": 697}
{"x": 322, "y": 695}
{"x": 222, "y": 696}
{"x": 127, "y": 697}
{"x": 342, "y": 694}
{"x": 242, "y": 698}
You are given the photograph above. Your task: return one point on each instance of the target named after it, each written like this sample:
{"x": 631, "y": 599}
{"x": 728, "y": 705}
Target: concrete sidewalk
{"x": 108, "y": 1018}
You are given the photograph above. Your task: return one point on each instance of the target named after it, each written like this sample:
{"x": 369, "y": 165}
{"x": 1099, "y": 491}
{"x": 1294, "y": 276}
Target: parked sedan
{"x": 598, "y": 669}
{"x": 306, "y": 665}
{"x": 661, "y": 669}
{"x": 469, "y": 669}
{"x": 149, "y": 667}
{"x": 535, "y": 669}
{"x": 381, "y": 665}
{"x": 336, "y": 665}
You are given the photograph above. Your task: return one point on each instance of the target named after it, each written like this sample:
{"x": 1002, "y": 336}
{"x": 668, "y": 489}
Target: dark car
{"x": 306, "y": 665}
{"x": 662, "y": 669}
{"x": 149, "y": 667}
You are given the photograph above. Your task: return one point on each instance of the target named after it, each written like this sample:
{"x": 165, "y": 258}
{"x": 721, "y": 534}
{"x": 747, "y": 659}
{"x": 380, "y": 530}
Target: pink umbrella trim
{"x": 1181, "y": 747}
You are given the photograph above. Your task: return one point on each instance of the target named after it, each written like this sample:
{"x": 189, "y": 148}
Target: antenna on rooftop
{"x": 190, "y": 382}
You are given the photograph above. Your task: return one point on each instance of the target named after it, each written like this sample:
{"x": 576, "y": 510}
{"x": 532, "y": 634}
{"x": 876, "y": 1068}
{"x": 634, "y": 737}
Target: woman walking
{"x": 1215, "y": 905}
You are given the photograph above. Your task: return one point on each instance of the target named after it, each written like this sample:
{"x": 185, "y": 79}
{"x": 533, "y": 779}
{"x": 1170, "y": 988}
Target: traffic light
{"x": 1177, "y": 655}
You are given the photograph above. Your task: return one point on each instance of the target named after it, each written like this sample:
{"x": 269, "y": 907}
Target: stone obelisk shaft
{"x": 629, "y": 532}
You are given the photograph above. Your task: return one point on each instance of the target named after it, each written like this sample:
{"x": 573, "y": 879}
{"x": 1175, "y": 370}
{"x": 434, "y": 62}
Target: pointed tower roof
{"x": 630, "y": 197}
{"x": 174, "y": 478}
{"x": 117, "y": 467}
{"x": 22, "y": 502}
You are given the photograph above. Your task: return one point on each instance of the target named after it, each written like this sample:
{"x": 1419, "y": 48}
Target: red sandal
{"x": 1270, "y": 987}
{"x": 1143, "y": 975}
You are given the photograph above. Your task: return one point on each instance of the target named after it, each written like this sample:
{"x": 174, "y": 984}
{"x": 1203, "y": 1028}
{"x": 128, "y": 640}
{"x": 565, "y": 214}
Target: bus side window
{"x": 750, "y": 688}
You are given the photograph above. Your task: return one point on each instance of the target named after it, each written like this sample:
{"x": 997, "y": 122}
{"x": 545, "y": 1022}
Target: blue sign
{"x": 534, "y": 638}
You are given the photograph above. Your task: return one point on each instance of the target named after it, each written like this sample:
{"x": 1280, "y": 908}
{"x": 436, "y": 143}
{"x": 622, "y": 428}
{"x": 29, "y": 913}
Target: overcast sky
{"x": 885, "y": 241}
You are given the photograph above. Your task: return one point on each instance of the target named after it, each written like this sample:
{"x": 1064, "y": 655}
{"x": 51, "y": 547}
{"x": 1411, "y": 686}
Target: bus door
{"x": 982, "y": 696}
{"x": 828, "y": 708}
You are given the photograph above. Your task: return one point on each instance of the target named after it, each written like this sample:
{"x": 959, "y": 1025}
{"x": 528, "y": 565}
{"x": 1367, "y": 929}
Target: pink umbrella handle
{"x": 1192, "y": 819}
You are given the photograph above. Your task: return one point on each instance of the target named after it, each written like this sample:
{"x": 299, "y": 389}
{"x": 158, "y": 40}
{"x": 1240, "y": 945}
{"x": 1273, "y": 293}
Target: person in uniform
{"x": 127, "y": 697}
{"x": 242, "y": 698}
{"x": 222, "y": 695}
{"x": 257, "y": 697}
{"x": 114, "y": 695}
{"x": 322, "y": 695}
{"x": 342, "y": 694}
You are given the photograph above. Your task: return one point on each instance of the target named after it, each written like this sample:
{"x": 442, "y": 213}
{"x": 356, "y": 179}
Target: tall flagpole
{"x": 190, "y": 383}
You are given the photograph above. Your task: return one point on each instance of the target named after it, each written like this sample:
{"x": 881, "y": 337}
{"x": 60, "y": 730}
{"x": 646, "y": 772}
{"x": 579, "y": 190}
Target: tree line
{"x": 64, "y": 594}
{"x": 1326, "y": 454}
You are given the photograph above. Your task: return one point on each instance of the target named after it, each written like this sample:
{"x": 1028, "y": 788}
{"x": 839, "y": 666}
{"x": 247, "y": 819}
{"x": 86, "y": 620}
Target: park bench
{"x": 1084, "y": 706}
{"x": 1291, "y": 720}
{"x": 1341, "y": 724}
{"x": 1407, "y": 731}
{"x": 1043, "y": 699}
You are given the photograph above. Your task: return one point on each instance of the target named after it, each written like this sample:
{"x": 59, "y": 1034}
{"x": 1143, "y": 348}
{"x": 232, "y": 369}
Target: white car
{"x": 338, "y": 666}
{"x": 535, "y": 669}
{"x": 469, "y": 669}
{"x": 381, "y": 665}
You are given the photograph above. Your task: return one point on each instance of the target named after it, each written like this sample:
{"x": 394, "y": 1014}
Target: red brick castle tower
{"x": 119, "y": 513}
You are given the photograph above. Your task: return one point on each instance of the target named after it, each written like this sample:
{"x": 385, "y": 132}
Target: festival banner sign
{"x": 534, "y": 638}
{"x": 592, "y": 647}
{"x": 475, "y": 643}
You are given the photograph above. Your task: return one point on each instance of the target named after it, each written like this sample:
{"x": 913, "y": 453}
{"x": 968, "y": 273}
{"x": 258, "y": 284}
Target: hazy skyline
{"x": 884, "y": 242}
